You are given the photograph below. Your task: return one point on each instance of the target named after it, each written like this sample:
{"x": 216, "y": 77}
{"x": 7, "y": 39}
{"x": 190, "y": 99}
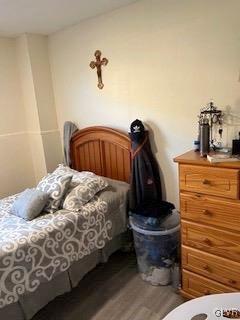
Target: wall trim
{"x": 43, "y": 132}
{"x": 19, "y": 133}
{"x": 13, "y": 134}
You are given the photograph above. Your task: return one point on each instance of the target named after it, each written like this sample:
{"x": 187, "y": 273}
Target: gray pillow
{"x": 30, "y": 204}
{"x": 77, "y": 177}
{"x": 84, "y": 192}
{"x": 55, "y": 186}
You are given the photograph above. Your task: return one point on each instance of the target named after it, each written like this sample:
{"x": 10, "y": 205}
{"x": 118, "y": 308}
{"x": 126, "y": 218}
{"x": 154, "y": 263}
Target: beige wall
{"x": 16, "y": 169}
{"x": 38, "y": 101}
{"x": 166, "y": 60}
{"x": 29, "y": 136}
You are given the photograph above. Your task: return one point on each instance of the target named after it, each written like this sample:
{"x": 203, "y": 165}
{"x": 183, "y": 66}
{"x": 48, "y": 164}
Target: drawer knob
{"x": 206, "y": 181}
{"x": 231, "y": 281}
{"x": 206, "y": 212}
{"x": 206, "y": 292}
{"x": 206, "y": 267}
{"x": 207, "y": 241}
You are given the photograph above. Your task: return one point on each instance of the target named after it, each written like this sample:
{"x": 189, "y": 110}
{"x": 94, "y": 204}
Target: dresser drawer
{"x": 197, "y": 286}
{"x": 209, "y": 239}
{"x": 210, "y": 180}
{"x": 213, "y": 267}
{"x": 210, "y": 210}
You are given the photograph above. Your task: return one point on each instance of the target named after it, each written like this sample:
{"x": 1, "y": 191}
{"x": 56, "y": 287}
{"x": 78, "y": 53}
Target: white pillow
{"x": 84, "y": 192}
{"x": 55, "y": 186}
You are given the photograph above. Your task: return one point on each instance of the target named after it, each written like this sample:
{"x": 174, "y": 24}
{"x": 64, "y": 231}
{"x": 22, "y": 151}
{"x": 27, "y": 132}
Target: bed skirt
{"x": 29, "y": 304}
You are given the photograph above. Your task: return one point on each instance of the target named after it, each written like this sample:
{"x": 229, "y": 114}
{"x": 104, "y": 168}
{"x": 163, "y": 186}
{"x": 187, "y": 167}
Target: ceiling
{"x": 48, "y": 16}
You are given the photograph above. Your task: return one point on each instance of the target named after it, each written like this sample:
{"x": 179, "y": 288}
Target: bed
{"x": 105, "y": 152}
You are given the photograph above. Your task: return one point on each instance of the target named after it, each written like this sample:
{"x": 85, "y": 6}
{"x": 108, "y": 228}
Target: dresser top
{"x": 193, "y": 157}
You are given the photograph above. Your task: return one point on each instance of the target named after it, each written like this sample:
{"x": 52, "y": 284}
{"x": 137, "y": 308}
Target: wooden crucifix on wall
{"x": 98, "y": 64}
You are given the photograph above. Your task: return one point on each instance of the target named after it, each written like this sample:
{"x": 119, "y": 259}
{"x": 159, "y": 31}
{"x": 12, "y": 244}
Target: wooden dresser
{"x": 210, "y": 225}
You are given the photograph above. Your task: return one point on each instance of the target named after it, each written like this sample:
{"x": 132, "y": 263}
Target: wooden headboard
{"x": 102, "y": 150}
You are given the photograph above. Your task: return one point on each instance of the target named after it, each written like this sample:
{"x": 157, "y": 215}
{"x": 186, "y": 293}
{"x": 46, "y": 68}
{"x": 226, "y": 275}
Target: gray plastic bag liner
{"x": 154, "y": 233}
{"x": 156, "y": 250}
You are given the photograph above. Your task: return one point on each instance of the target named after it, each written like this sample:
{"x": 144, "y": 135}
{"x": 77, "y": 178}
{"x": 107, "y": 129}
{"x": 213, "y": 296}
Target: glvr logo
{"x": 231, "y": 314}
{"x": 228, "y": 313}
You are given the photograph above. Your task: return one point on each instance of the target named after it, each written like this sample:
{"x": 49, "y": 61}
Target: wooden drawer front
{"x": 210, "y": 210}
{"x": 197, "y": 286}
{"x": 209, "y": 180}
{"x": 218, "y": 242}
{"x": 213, "y": 267}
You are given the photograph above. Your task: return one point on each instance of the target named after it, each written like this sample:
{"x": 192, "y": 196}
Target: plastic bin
{"x": 156, "y": 246}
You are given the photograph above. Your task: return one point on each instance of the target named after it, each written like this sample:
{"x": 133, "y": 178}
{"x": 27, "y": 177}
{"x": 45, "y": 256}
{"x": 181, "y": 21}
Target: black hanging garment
{"x": 145, "y": 185}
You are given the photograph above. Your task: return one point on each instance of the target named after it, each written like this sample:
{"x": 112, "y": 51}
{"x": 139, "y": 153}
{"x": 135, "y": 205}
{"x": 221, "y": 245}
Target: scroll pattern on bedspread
{"x": 33, "y": 252}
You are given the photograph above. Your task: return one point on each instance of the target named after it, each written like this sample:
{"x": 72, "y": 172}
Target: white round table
{"x": 213, "y": 306}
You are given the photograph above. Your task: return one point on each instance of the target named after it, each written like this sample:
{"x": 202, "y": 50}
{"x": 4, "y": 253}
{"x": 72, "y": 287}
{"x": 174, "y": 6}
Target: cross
{"x": 98, "y": 64}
